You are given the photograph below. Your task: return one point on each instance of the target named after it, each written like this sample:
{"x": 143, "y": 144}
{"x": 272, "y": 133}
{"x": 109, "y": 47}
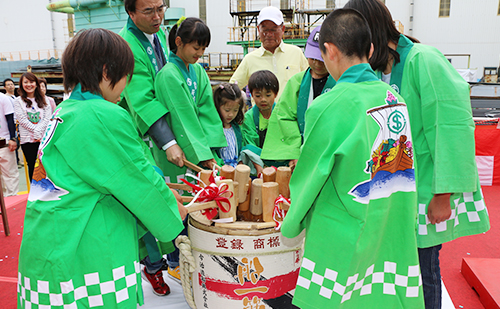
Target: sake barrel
{"x": 243, "y": 268}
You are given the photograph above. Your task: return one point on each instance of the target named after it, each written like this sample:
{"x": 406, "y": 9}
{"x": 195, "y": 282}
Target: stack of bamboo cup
{"x": 252, "y": 200}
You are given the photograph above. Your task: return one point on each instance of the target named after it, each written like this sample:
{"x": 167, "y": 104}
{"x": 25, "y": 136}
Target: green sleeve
{"x": 283, "y": 138}
{"x": 183, "y": 117}
{"x": 139, "y": 95}
{"x": 110, "y": 159}
{"x": 313, "y": 168}
{"x": 250, "y": 135}
{"x": 207, "y": 113}
{"x": 447, "y": 122}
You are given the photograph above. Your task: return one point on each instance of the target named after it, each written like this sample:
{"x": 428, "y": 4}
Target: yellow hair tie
{"x": 179, "y": 22}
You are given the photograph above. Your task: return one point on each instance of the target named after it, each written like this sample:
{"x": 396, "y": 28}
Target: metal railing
{"x": 31, "y": 55}
{"x": 221, "y": 61}
{"x": 249, "y": 33}
{"x": 236, "y": 6}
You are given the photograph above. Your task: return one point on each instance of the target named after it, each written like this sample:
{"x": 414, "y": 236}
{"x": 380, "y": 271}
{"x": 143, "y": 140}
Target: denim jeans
{"x": 153, "y": 261}
{"x": 431, "y": 276}
{"x": 173, "y": 257}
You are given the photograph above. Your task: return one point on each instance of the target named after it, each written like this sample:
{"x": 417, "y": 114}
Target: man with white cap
{"x": 284, "y": 60}
{"x": 286, "y": 125}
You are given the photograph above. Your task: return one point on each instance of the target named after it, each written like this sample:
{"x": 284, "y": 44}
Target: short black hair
{"x": 348, "y": 30}
{"x": 229, "y": 92}
{"x": 89, "y": 52}
{"x": 8, "y": 80}
{"x": 129, "y": 5}
{"x": 263, "y": 79}
{"x": 190, "y": 30}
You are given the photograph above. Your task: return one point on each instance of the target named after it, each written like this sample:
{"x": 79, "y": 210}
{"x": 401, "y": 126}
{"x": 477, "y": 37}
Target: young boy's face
{"x": 318, "y": 67}
{"x": 264, "y": 99}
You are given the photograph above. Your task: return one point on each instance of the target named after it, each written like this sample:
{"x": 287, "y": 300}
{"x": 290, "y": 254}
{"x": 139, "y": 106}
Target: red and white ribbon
{"x": 220, "y": 194}
{"x": 279, "y": 213}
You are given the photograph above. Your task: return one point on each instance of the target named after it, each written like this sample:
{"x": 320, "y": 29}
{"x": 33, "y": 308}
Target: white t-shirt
{"x": 5, "y": 109}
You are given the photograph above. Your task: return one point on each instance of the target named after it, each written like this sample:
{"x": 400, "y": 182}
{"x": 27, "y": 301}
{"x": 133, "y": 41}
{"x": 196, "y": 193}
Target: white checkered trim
{"x": 471, "y": 215}
{"x": 353, "y": 284}
{"x": 81, "y": 292}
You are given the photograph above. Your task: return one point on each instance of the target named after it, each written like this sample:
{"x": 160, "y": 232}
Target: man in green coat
{"x": 353, "y": 188}
{"x": 148, "y": 44}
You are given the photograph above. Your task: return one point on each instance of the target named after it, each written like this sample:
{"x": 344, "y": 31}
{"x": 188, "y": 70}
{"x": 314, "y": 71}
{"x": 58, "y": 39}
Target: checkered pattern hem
{"x": 388, "y": 278}
{"x": 41, "y": 295}
{"x": 466, "y": 209}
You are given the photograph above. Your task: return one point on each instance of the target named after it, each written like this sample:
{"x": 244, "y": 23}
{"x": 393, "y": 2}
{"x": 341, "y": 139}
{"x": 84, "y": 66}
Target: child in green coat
{"x": 93, "y": 192}
{"x": 264, "y": 87}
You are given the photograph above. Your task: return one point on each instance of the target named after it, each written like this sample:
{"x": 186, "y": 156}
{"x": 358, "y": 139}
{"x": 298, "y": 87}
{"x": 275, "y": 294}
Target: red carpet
{"x": 9, "y": 250}
{"x": 463, "y": 296}
{"x": 478, "y": 246}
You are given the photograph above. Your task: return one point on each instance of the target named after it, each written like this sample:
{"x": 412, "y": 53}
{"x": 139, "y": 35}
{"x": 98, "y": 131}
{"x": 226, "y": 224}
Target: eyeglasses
{"x": 271, "y": 31}
{"x": 151, "y": 11}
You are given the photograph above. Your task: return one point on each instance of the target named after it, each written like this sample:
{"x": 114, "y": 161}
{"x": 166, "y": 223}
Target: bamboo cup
{"x": 242, "y": 175}
{"x": 205, "y": 176}
{"x": 269, "y": 174}
{"x": 232, "y": 212}
{"x": 256, "y": 197}
{"x": 270, "y": 192}
{"x": 283, "y": 179}
{"x": 227, "y": 171}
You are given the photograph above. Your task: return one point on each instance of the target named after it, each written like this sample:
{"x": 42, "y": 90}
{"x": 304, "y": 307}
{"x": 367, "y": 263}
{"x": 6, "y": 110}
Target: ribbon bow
{"x": 220, "y": 194}
{"x": 279, "y": 213}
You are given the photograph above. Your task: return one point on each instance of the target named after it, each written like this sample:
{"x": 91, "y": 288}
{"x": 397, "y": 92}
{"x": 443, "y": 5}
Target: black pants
{"x": 30, "y": 151}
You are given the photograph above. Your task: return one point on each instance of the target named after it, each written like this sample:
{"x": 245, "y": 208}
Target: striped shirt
{"x": 32, "y": 120}
{"x": 230, "y": 153}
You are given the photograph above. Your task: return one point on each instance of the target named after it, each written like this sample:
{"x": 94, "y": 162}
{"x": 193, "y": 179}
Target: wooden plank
{"x": 244, "y": 225}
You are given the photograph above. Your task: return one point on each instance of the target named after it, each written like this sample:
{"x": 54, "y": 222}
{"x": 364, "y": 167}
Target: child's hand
{"x": 182, "y": 210}
{"x": 439, "y": 209}
{"x": 175, "y": 155}
{"x": 209, "y": 164}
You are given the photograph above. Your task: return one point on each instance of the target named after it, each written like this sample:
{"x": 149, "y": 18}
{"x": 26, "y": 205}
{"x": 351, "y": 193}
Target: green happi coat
{"x": 92, "y": 194}
{"x": 193, "y": 118}
{"x": 286, "y": 125}
{"x": 139, "y": 95}
{"x": 140, "y": 100}
{"x": 253, "y": 125}
{"x": 443, "y": 129}
{"x": 360, "y": 245}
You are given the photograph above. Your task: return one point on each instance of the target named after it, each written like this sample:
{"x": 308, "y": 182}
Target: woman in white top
{"x": 33, "y": 114}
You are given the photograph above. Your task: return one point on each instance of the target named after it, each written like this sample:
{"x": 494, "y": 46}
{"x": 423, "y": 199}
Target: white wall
{"x": 472, "y": 28}
{"x": 26, "y": 25}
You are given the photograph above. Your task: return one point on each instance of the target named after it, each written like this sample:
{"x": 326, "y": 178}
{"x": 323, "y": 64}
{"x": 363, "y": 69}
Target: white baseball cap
{"x": 270, "y": 13}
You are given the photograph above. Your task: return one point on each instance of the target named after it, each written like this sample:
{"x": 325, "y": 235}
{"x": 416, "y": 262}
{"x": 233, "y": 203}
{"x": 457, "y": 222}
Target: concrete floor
{"x": 23, "y": 180}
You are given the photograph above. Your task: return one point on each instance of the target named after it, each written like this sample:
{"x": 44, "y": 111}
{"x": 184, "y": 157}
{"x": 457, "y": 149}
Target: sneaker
{"x": 164, "y": 265}
{"x": 160, "y": 288}
{"x": 174, "y": 273}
